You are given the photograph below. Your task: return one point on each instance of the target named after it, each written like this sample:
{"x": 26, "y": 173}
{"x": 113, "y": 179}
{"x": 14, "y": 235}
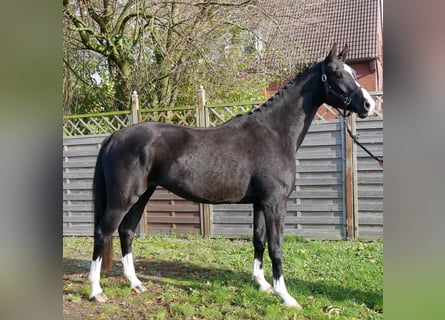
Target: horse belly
{"x": 210, "y": 180}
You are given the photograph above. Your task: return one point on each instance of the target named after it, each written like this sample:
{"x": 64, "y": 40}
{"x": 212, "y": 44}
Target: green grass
{"x": 196, "y": 278}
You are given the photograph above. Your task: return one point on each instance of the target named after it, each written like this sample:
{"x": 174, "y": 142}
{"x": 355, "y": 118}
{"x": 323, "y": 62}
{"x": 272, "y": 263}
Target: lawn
{"x": 196, "y": 278}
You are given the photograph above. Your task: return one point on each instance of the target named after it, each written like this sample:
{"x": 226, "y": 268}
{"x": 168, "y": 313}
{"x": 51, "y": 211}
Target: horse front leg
{"x": 259, "y": 243}
{"x": 275, "y": 214}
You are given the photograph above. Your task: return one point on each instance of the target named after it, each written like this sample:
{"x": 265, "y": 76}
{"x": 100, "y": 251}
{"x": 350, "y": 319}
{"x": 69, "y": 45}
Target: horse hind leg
{"x": 102, "y": 253}
{"x": 126, "y": 233}
{"x": 259, "y": 243}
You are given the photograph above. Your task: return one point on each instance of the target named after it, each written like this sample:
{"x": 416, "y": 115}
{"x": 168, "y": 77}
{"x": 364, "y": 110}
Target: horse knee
{"x": 125, "y": 233}
{"x": 126, "y": 237}
{"x": 100, "y": 239}
{"x": 101, "y": 243}
{"x": 276, "y": 257}
{"x": 259, "y": 244}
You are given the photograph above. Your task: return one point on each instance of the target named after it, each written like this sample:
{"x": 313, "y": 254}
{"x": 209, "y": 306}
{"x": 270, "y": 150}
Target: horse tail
{"x": 100, "y": 202}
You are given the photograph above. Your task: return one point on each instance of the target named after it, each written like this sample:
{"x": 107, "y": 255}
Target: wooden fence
{"x": 321, "y": 205}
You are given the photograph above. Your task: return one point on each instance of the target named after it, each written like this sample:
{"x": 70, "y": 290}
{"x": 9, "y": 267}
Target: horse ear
{"x": 343, "y": 53}
{"x": 332, "y": 53}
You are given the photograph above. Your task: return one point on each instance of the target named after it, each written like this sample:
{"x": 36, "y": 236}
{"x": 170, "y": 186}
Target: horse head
{"x": 341, "y": 86}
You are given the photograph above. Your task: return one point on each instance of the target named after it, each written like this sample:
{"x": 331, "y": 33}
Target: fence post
{"x": 355, "y": 179}
{"x": 136, "y": 118}
{"x": 205, "y": 209}
{"x": 135, "y": 113}
{"x": 351, "y": 182}
{"x": 200, "y": 110}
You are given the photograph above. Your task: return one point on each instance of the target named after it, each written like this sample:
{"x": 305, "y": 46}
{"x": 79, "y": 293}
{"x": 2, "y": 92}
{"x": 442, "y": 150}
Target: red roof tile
{"x": 305, "y": 30}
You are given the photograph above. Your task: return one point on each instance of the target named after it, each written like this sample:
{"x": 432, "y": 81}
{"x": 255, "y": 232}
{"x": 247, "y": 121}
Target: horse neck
{"x": 294, "y": 107}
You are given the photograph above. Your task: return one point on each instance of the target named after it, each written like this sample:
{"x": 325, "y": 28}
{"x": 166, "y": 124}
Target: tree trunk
{"x": 122, "y": 86}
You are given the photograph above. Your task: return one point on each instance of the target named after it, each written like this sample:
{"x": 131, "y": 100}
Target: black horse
{"x": 248, "y": 159}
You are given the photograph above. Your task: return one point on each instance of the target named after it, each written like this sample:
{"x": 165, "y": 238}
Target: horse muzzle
{"x": 368, "y": 105}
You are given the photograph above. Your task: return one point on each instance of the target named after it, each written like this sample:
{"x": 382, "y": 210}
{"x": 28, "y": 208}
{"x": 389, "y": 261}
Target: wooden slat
{"x": 78, "y": 219}
{"x": 78, "y": 197}
{"x": 78, "y": 175}
{"x": 84, "y": 140}
{"x": 176, "y": 219}
{"x": 165, "y": 196}
{"x": 79, "y": 208}
{"x": 289, "y": 220}
{"x": 371, "y": 220}
{"x": 317, "y": 181}
{"x": 329, "y": 194}
{"x": 80, "y": 153}
{"x": 78, "y": 186}
{"x": 186, "y": 207}
{"x": 80, "y": 164}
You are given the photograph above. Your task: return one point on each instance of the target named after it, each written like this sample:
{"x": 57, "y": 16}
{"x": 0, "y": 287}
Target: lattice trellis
{"x": 90, "y": 124}
{"x": 220, "y": 114}
{"x": 184, "y": 117}
{"x": 95, "y": 124}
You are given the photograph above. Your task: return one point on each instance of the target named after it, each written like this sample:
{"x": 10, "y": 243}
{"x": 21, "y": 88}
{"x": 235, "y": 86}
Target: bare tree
{"x": 157, "y": 46}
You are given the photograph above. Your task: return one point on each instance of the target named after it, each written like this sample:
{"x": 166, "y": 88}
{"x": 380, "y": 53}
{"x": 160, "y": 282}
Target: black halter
{"x": 346, "y": 99}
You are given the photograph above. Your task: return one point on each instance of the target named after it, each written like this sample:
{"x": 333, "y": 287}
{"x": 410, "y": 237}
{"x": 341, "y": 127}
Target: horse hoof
{"x": 266, "y": 289}
{"x": 139, "y": 289}
{"x": 292, "y": 304}
{"x": 99, "y": 298}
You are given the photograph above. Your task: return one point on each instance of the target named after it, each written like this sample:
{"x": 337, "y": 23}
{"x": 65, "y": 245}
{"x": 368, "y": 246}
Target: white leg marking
{"x": 129, "y": 271}
{"x": 94, "y": 277}
{"x": 279, "y": 288}
{"x": 258, "y": 276}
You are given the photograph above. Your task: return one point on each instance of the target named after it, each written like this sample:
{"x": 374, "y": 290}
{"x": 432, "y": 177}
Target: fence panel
{"x": 79, "y": 160}
{"x": 167, "y": 213}
{"x": 370, "y": 179}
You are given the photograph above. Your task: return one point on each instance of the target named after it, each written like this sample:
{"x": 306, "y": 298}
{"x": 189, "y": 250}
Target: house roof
{"x": 304, "y": 31}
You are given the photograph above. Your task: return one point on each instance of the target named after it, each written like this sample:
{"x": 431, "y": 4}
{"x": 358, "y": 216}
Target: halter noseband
{"x": 346, "y": 99}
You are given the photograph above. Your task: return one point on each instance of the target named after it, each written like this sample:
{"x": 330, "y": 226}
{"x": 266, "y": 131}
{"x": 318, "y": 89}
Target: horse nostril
{"x": 367, "y": 105}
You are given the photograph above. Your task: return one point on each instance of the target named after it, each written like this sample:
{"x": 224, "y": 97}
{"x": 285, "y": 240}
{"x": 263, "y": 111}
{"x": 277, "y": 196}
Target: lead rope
{"x": 355, "y": 139}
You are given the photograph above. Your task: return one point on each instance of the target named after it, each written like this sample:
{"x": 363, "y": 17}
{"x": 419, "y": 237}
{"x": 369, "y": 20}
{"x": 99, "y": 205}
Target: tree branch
{"x": 99, "y": 20}
{"x": 85, "y": 31}
{"x": 123, "y": 18}
{"x": 75, "y": 73}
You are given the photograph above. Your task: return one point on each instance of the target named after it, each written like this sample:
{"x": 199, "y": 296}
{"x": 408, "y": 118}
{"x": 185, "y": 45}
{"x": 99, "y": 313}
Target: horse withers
{"x": 248, "y": 159}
